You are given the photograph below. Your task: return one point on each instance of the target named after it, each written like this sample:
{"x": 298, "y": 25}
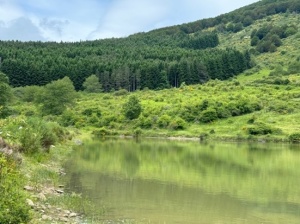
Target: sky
{"x": 78, "y": 20}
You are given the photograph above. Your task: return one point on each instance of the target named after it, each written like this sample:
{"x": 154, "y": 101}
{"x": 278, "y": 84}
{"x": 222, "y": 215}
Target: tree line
{"x": 123, "y": 63}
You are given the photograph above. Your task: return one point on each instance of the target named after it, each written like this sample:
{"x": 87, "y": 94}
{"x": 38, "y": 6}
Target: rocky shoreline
{"x": 44, "y": 211}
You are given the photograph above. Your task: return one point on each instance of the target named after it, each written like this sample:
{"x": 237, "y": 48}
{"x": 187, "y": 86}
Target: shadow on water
{"x": 188, "y": 182}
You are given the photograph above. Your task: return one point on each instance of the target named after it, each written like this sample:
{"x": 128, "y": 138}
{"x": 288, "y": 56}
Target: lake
{"x": 160, "y": 181}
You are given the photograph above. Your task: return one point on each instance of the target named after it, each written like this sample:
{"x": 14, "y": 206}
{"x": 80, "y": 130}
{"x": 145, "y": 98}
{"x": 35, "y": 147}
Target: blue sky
{"x": 74, "y": 20}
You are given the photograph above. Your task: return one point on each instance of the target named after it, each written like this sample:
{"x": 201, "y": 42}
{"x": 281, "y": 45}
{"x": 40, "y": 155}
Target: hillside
{"x": 215, "y": 48}
{"x": 240, "y": 83}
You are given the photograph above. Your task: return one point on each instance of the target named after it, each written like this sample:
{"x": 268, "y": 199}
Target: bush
{"x": 177, "y": 124}
{"x": 295, "y": 137}
{"x": 57, "y": 96}
{"x": 145, "y": 122}
{"x": 68, "y": 118}
{"x": 132, "y": 108}
{"x": 208, "y": 115}
{"x": 13, "y": 207}
{"x": 90, "y": 111}
{"x": 259, "y": 129}
{"x": 38, "y": 134}
{"x": 28, "y": 93}
{"x": 164, "y": 121}
{"x": 137, "y": 132}
{"x": 121, "y": 92}
{"x": 101, "y": 132}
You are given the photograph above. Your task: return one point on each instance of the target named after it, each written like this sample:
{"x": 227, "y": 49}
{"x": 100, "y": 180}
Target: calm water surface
{"x": 153, "y": 181}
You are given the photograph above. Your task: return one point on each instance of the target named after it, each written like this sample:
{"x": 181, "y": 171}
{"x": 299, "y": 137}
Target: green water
{"x": 155, "y": 181}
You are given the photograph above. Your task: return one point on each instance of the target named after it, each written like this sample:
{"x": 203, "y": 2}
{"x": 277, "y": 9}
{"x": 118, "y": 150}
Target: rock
{"x": 73, "y": 214}
{"x": 59, "y": 191}
{"x": 64, "y": 219}
{"x": 78, "y": 142}
{"x": 42, "y": 197}
{"x": 28, "y": 188}
{"x": 30, "y": 203}
{"x": 62, "y": 173}
{"x": 45, "y": 217}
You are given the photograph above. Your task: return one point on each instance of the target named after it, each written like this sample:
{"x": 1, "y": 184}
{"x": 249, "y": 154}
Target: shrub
{"x": 259, "y": 129}
{"x": 164, "y": 121}
{"x": 90, "y": 111}
{"x": 132, "y": 108}
{"x": 68, "y": 118}
{"x": 101, "y": 132}
{"x": 137, "y": 132}
{"x": 56, "y": 96}
{"x": 121, "y": 92}
{"x": 93, "y": 120}
{"x": 223, "y": 112}
{"x": 177, "y": 124}
{"x": 208, "y": 115}
{"x": 295, "y": 137}
{"x": 38, "y": 134}
{"x": 13, "y": 208}
{"x": 28, "y": 93}
{"x": 92, "y": 84}
{"x": 145, "y": 122}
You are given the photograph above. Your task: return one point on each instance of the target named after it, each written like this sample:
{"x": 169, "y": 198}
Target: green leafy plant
{"x": 13, "y": 207}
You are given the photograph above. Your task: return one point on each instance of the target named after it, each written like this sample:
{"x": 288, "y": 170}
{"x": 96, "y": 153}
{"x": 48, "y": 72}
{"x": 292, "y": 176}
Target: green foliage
{"x": 137, "y": 132}
{"x": 268, "y": 37}
{"x": 13, "y": 207}
{"x": 57, "y": 96}
{"x": 92, "y": 84}
{"x": 101, "y": 132}
{"x": 145, "y": 122}
{"x": 177, "y": 124}
{"x": 294, "y": 67}
{"x": 294, "y": 137}
{"x": 68, "y": 118}
{"x": 164, "y": 121}
{"x": 36, "y": 135}
{"x": 259, "y": 128}
{"x": 5, "y": 90}
{"x": 132, "y": 108}
{"x": 121, "y": 92}
{"x": 201, "y": 41}
{"x": 28, "y": 93}
{"x": 208, "y": 115}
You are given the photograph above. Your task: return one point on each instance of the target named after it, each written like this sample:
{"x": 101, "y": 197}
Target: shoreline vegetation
{"x": 43, "y": 195}
{"x": 43, "y": 133}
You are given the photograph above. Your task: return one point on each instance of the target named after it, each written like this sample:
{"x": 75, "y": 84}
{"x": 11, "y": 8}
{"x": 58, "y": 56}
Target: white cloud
{"x": 21, "y": 29}
{"x": 129, "y": 16}
{"x": 9, "y": 10}
{"x": 73, "y": 20}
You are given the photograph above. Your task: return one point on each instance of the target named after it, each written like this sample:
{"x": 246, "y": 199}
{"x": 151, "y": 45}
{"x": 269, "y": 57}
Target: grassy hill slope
{"x": 260, "y": 103}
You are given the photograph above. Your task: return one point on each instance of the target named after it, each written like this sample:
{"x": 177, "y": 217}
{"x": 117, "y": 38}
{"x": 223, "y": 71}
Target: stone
{"x": 42, "y": 197}
{"x": 28, "y": 188}
{"x": 30, "y": 203}
{"x": 72, "y": 214}
{"x": 59, "y": 191}
{"x": 45, "y": 217}
{"x": 78, "y": 142}
{"x": 64, "y": 219}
